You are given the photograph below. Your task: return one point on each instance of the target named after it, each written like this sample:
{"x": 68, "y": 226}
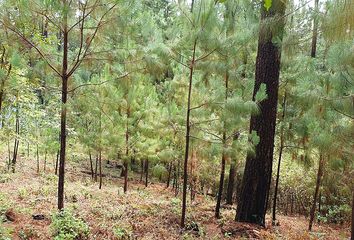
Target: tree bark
{"x": 37, "y": 155}
{"x": 91, "y": 165}
{"x": 314, "y": 31}
{"x": 318, "y": 184}
{"x": 281, "y": 148}
{"x": 17, "y": 141}
{"x": 169, "y": 175}
{"x": 142, "y": 170}
{"x": 146, "y": 172}
{"x": 64, "y": 96}
{"x": 231, "y": 184}
{"x": 258, "y": 170}
{"x": 186, "y": 153}
{"x": 352, "y": 234}
{"x": 100, "y": 166}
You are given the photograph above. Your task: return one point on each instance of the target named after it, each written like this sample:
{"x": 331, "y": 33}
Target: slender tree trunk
{"x": 2, "y": 86}
{"x": 186, "y": 153}
{"x": 281, "y": 148}
{"x": 142, "y": 170}
{"x": 96, "y": 168}
{"x": 9, "y": 155}
{"x": 221, "y": 182}
{"x": 146, "y": 172}
{"x": 37, "y": 155}
{"x": 231, "y": 183}
{"x": 252, "y": 203}
{"x": 45, "y": 162}
{"x": 100, "y": 163}
{"x": 352, "y": 234}
{"x": 17, "y": 141}
{"x": 28, "y": 149}
{"x": 91, "y": 165}
{"x": 169, "y": 175}
{"x": 223, "y": 157}
{"x": 314, "y": 31}
{"x": 126, "y": 153}
{"x": 64, "y": 95}
{"x": 57, "y": 163}
{"x": 318, "y": 184}
{"x": 319, "y": 206}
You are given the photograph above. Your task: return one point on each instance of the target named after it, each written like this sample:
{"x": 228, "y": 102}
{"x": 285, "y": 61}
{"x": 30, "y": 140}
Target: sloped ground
{"x": 142, "y": 213}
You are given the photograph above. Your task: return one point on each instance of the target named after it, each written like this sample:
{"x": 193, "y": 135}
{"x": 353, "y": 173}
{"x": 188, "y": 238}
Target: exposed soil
{"x": 145, "y": 213}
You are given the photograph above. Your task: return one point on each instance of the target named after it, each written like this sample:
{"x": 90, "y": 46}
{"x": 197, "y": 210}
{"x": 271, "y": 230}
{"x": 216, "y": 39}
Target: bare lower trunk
{"x": 96, "y": 168}
{"x": 169, "y": 175}
{"x": 186, "y": 150}
{"x": 146, "y": 172}
{"x": 231, "y": 184}
{"x": 141, "y": 170}
{"x": 45, "y": 162}
{"x": 318, "y": 184}
{"x": 100, "y": 163}
{"x": 91, "y": 165}
{"x": 37, "y": 155}
{"x": 125, "y": 177}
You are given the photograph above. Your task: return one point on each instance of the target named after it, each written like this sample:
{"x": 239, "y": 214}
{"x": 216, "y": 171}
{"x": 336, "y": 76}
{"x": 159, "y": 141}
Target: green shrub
{"x": 122, "y": 233}
{"x": 66, "y": 226}
{"x": 5, "y": 233}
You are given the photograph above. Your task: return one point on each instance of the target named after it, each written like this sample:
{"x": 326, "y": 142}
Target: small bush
{"x": 5, "y": 233}
{"x": 122, "y": 233}
{"x": 66, "y": 226}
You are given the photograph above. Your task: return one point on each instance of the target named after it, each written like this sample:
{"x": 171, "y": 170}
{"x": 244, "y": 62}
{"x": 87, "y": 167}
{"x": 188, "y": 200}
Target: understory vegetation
{"x": 166, "y": 119}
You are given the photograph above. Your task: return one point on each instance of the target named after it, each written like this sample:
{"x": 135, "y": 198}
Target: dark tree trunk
{"x": 57, "y": 163}
{"x": 91, "y": 165}
{"x": 314, "y": 31}
{"x": 17, "y": 141}
{"x": 252, "y": 204}
{"x": 318, "y": 184}
{"x": 37, "y": 155}
{"x": 146, "y": 172}
{"x": 221, "y": 183}
{"x": 231, "y": 183}
{"x": 45, "y": 162}
{"x": 186, "y": 152}
{"x": 281, "y": 148}
{"x": 2, "y": 85}
{"x": 223, "y": 157}
{"x": 96, "y": 168}
{"x": 142, "y": 170}
{"x": 64, "y": 96}
{"x": 169, "y": 175}
{"x": 100, "y": 163}
{"x": 352, "y": 235}
{"x": 319, "y": 206}
{"x": 125, "y": 177}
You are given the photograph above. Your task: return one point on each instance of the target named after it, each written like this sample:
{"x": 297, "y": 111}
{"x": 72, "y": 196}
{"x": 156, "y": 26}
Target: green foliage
{"x": 122, "y": 233}
{"x": 66, "y": 226}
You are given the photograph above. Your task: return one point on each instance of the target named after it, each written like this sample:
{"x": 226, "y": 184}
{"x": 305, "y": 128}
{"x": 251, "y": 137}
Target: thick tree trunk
{"x": 318, "y": 184}
{"x": 186, "y": 152}
{"x": 281, "y": 148}
{"x": 2, "y": 86}
{"x": 231, "y": 183}
{"x": 258, "y": 170}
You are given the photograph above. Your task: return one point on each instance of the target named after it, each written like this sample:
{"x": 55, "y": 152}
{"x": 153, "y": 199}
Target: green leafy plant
{"x": 66, "y": 226}
{"x": 122, "y": 233}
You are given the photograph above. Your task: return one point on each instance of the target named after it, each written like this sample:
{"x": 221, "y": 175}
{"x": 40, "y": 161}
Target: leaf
{"x": 267, "y": 4}
{"x": 262, "y": 93}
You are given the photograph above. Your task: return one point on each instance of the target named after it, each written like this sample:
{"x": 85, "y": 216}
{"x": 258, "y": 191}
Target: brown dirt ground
{"x": 146, "y": 213}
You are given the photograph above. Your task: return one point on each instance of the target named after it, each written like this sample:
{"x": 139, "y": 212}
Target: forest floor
{"x": 141, "y": 213}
